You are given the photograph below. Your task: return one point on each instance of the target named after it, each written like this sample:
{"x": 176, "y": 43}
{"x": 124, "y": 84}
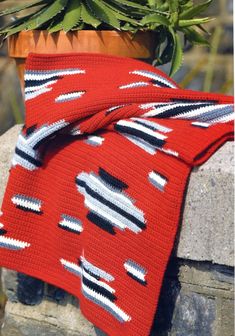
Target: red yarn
{"x": 97, "y": 181}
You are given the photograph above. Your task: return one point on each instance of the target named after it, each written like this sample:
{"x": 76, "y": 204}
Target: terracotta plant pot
{"x": 140, "y": 45}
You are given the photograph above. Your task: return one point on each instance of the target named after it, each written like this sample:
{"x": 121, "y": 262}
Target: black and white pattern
{"x": 27, "y": 203}
{"x": 197, "y": 111}
{"x": 71, "y": 267}
{"x": 75, "y": 131}
{"x": 109, "y": 206}
{"x": 10, "y": 243}
{"x": 207, "y": 113}
{"x": 152, "y": 125}
{"x": 38, "y": 82}
{"x": 27, "y": 154}
{"x": 96, "y": 270}
{"x": 143, "y": 133}
{"x": 156, "y": 79}
{"x": 94, "y": 288}
{"x": 224, "y": 118}
{"x": 135, "y": 271}
{"x": 37, "y": 92}
{"x": 71, "y": 224}
{"x": 134, "y": 85}
{"x": 185, "y": 100}
{"x": 200, "y": 124}
{"x": 158, "y": 180}
{"x": 2, "y": 231}
{"x": 65, "y": 97}
{"x": 94, "y": 140}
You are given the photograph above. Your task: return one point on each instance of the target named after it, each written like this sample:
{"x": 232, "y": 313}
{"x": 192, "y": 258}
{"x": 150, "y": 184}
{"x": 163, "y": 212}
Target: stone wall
{"x": 197, "y": 294}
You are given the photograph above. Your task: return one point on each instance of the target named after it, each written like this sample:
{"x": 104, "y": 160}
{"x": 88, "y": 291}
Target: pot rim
{"x": 112, "y": 42}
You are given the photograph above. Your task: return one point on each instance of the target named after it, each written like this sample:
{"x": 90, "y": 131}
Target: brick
{"x": 194, "y": 315}
{"x": 223, "y": 274}
{"x": 30, "y": 290}
{"x": 27, "y": 327}
{"x": 227, "y": 318}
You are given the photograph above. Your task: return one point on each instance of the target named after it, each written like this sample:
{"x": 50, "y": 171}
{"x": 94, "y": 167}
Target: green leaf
{"x": 194, "y": 37}
{"x": 17, "y": 9}
{"x": 133, "y": 5}
{"x": 203, "y": 29}
{"x": 195, "y": 10}
{"x": 54, "y": 9}
{"x": 72, "y": 15}
{"x": 164, "y": 7}
{"x": 174, "y": 9}
{"x": 80, "y": 26}
{"x": 173, "y": 5}
{"x": 40, "y": 17}
{"x": 177, "y": 56}
{"x": 122, "y": 16}
{"x": 185, "y": 5}
{"x": 167, "y": 53}
{"x": 129, "y": 28}
{"x": 152, "y": 3}
{"x": 88, "y": 18}
{"x": 155, "y": 18}
{"x": 193, "y": 22}
{"x": 12, "y": 24}
{"x": 104, "y": 13}
{"x": 55, "y": 25}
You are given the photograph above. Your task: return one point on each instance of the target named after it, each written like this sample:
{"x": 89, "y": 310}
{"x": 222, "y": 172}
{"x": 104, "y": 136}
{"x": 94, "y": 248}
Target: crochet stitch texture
{"x": 98, "y": 179}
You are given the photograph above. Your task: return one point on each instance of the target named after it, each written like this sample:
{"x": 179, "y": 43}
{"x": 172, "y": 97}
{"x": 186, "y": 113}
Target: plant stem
{"x": 212, "y": 58}
{"x": 15, "y": 109}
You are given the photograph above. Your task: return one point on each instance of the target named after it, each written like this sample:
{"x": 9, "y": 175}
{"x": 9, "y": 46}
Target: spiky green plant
{"x": 170, "y": 19}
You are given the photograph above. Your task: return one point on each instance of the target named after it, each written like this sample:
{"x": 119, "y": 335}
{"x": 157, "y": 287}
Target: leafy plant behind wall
{"x": 170, "y": 19}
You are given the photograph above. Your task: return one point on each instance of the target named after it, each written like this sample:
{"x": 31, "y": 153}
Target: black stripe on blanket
{"x": 173, "y": 111}
{"x": 101, "y": 222}
{"x": 99, "y": 289}
{"x": 27, "y": 157}
{"x": 34, "y": 82}
{"x": 111, "y": 205}
{"x": 142, "y": 282}
{"x": 112, "y": 180}
{"x": 148, "y": 138}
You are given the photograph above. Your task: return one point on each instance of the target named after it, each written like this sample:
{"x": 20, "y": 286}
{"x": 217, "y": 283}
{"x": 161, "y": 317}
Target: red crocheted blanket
{"x": 98, "y": 178}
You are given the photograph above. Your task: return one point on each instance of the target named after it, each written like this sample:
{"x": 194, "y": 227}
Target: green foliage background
{"x": 173, "y": 21}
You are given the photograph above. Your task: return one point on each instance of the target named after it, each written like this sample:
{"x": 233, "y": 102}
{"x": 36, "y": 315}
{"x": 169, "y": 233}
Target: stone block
{"x": 216, "y": 278}
{"x": 55, "y": 318}
{"x": 7, "y": 146}
{"x": 193, "y": 302}
{"x": 30, "y": 290}
{"x": 29, "y": 327}
{"x": 194, "y": 315}
{"x": 207, "y": 228}
{"x": 227, "y": 318}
